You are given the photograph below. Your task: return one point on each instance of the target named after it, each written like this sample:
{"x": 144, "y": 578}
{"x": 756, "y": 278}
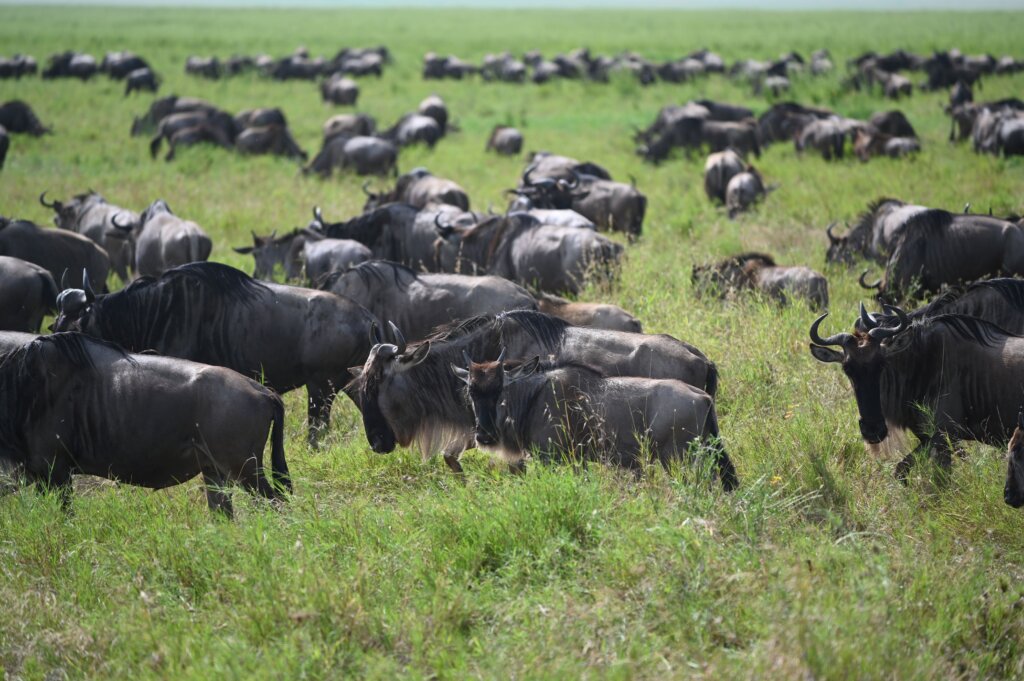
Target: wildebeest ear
{"x": 244, "y": 250}
{"x": 522, "y": 371}
{"x": 417, "y": 356}
{"x": 356, "y": 372}
{"x": 460, "y": 373}
{"x": 823, "y": 354}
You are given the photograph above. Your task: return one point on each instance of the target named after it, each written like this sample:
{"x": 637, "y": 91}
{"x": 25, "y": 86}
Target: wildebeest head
{"x": 73, "y": 306}
{"x": 485, "y": 382}
{"x": 1013, "y": 492}
{"x": 269, "y": 251}
{"x": 863, "y": 358}
{"x": 66, "y": 214}
{"x": 840, "y": 250}
{"x": 369, "y": 389}
{"x": 548, "y": 192}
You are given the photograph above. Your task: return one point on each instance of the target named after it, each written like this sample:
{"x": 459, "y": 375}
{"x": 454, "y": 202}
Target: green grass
{"x": 819, "y": 566}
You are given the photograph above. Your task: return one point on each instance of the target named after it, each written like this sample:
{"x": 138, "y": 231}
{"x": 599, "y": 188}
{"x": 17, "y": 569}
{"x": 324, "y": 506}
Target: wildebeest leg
{"x": 217, "y": 496}
{"x": 56, "y": 479}
{"x": 904, "y": 466}
{"x": 452, "y": 453}
{"x": 321, "y": 397}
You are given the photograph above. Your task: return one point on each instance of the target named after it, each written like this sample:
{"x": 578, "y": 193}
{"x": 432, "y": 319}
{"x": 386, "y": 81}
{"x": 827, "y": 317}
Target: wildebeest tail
{"x": 154, "y": 145}
{"x": 199, "y": 248}
{"x": 278, "y": 465}
{"x": 711, "y": 383}
{"x": 50, "y": 291}
{"x": 723, "y": 464}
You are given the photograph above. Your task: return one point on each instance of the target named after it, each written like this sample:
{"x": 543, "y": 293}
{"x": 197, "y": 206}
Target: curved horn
{"x": 375, "y": 338}
{"x": 838, "y": 339}
{"x": 399, "y": 338}
{"x": 113, "y": 221}
{"x": 317, "y": 215}
{"x": 828, "y": 230}
{"x": 886, "y": 332}
{"x": 867, "y": 319}
{"x": 860, "y": 280}
{"x": 526, "y": 176}
{"x": 64, "y": 280}
{"x": 42, "y": 200}
{"x": 86, "y": 286}
{"x": 366, "y": 191}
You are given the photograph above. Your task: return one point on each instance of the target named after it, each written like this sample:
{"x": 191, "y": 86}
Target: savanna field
{"x": 820, "y": 565}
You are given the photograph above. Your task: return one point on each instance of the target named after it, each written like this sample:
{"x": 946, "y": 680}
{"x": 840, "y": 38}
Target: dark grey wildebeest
{"x": 505, "y": 140}
{"x": 593, "y": 315}
{"x": 519, "y": 247}
{"x": 284, "y": 336}
{"x": 19, "y": 118}
{"x": 366, "y": 155}
{"x": 719, "y": 168}
{"x": 420, "y": 303}
{"x": 744, "y": 190}
{"x": 269, "y": 139}
{"x": 611, "y": 206}
{"x": 27, "y": 294}
{"x": 393, "y": 232}
{"x": 1000, "y": 301}
{"x": 419, "y": 188}
{"x": 411, "y": 395}
{"x": 141, "y": 80}
{"x": 875, "y": 234}
{"x": 90, "y": 215}
{"x": 163, "y": 240}
{"x": 434, "y": 107}
{"x": 945, "y": 379}
{"x": 164, "y": 107}
{"x": 303, "y": 252}
{"x": 55, "y": 250}
{"x": 412, "y": 129}
{"x": 339, "y": 90}
{"x": 758, "y": 272}
{"x": 571, "y": 411}
{"x": 349, "y": 124}
{"x": 825, "y": 135}
{"x": 545, "y": 164}
{"x": 72, "y": 404}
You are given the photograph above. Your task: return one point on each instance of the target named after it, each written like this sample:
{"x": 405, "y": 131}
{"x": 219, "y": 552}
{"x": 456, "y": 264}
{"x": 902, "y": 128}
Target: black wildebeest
{"x": 18, "y": 117}
{"x": 419, "y": 188}
{"x": 593, "y": 315}
{"x": 875, "y": 234}
{"x": 758, "y": 272}
{"x": 936, "y": 248}
{"x": 339, "y": 90}
{"x": 284, "y": 336}
{"x": 410, "y": 395}
{"x": 27, "y": 294}
{"x": 163, "y": 240}
{"x": 90, "y": 215}
{"x": 73, "y": 404}
{"x": 947, "y": 378}
{"x": 571, "y": 411}
{"x": 419, "y": 303}
{"x": 55, "y": 250}
{"x": 505, "y": 140}
{"x": 367, "y": 155}
{"x": 141, "y": 80}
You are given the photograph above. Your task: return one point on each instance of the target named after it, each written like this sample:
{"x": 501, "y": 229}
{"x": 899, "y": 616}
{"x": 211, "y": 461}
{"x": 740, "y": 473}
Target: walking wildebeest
{"x": 945, "y": 379}
{"x": 284, "y": 336}
{"x": 875, "y": 234}
{"x": 18, "y": 117}
{"x": 758, "y": 272}
{"x": 269, "y": 139}
{"x": 27, "y": 294}
{"x": 141, "y": 80}
{"x": 571, "y": 411}
{"x": 411, "y": 395}
{"x": 719, "y": 168}
{"x": 419, "y": 188}
{"x": 505, "y": 140}
{"x": 164, "y": 241}
{"x": 368, "y": 155}
{"x": 419, "y": 303}
{"x": 90, "y": 215}
{"x": 594, "y": 315}
{"x": 72, "y": 404}
{"x": 166, "y": 106}
{"x": 55, "y": 250}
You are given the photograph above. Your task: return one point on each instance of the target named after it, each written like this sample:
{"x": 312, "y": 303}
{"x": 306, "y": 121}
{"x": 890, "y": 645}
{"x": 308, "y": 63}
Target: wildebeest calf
{"x": 758, "y": 272}
{"x": 594, "y": 315}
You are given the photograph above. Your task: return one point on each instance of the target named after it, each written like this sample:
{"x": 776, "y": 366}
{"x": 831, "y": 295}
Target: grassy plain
{"x": 820, "y": 566}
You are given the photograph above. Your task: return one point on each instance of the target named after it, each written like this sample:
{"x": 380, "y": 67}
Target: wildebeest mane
{"x": 743, "y": 258}
{"x": 375, "y": 270}
{"x": 546, "y": 330}
{"x": 971, "y": 329}
{"x": 927, "y": 221}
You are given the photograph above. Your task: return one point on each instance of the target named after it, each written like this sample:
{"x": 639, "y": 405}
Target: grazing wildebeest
{"x": 785, "y": 119}
{"x": 259, "y": 118}
{"x": 519, "y": 247}
{"x": 164, "y": 241}
{"x": 936, "y": 248}
{"x": 368, "y": 155}
{"x": 164, "y": 107}
{"x": 1000, "y": 133}
{"x": 270, "y": 251}
{"x": 869, "y": 142}
{"x": 5, "y": 144}
{"x": 945, "y": 379}
{"x": 505, "y": 140}
{"x": 339, "y": 90}
{"x": 216, "y": 127}
{"x": 284, "y": 336}
{"x": 322, "y": 256}
{"x": 893, "y": 123}
{"x": 611, "y": 206}
{"x": 17, "y": 117}
{"x": 1013, "y": 490}
{"x": 594, "y": 315}
{"x": 573, "y": 412}
{"x": 960, "y": 94}
{"x": 744, "y": 190}
{"x": 413, "y": 128}
{"x": 825, "y": 135}
{"x": 27, "y": 294}
{"x": 411, "y": 395}
{"x": 393, "y": 232}
{"x": 55, "y": 250}
{"x": 558, "y": 167}
{"x": 71, "y": 64}
{"x": 90, "y": 215}
{"x": 874, "y": 236}
{"x": 434, "y": 107}
{"x": 270, "y": 139}
{"x": 352, "y": 125}
{"x": 419, "y": 188}
{"x": 420, "y": 303}
{"x": 119, "y": 65}
{"x": 17, "y": 66}
{"x": 205, "y": 67}
{"x": 719, "y": 168}
{"x": 758, "y": 272}
{"x": 141, "y": 80}
{"x": 303, "y": 251}
{"x": 740, "y": 136}
{"x": 72, "y": 404}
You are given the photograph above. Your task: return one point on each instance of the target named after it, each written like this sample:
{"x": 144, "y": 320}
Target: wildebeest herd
{"x": 446, "y": 326}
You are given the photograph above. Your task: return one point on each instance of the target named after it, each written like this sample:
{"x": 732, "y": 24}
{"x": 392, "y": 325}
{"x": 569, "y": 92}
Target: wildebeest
{"x": 594, "y": 315}
{"x": 55, "y": 250}
{"x": 5, "y": 144}
{"x": 270, "y": 139}
{"x": 72, "y": 404}
{"x": 71, "y": 64}
{"x": 119, "y": 65}
{"x": 27, "y": 294}
{"x": 948, "y": 378}
{"x": 164, "y": 241}
{"x": 758, "y": 272}
{"x": 90, "y": 215}
{"x": 868, "y": 143}
{"x": 519, "y": 247}
{"x": 557, "y": 167}
{"x": 304, "y": 250}
{"x": 216, "y": 127}
{"x": 505, "y": 140}
{"x": 825, "y": 135}
{"x": 270, "y": 251}
{"x": 892, "y": 123}
{"x": 141, "y": 80}
{"x": 164, "y": 107}
{"x": 17, "y": 66}
{"x": 960, "y": 94}
{"x": 434, "y": 107}
{"x": 719, "y": 168}
{"x": 367, "y": 155}
{"x": 1013, "y": 490}
{"x": 1000, "y": 133}
{"x": 410, "y": 395}
{"x": 740, "y": 136}
{"x": 744, "y": 190}
{"x": 350, "y": 124}
{"x": 419, "y": 188}
{"x": 874, "y": 236}
{"x": 571, "y": 411}
{"x": 413, "y": 128}
{"x": 205, "y": 67}
{"x": 393, "y": 232}
{"x": 936, "y": 248}
{"x": 339, "y": 90}
{"x": 259, "y": 118}
{"x": 17, "y": 117}
{"x": 419, "y": 303}
{"x": 284, "y": 336}
{"x": 611, "y": 206}
{"x": 784, "y": 119}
